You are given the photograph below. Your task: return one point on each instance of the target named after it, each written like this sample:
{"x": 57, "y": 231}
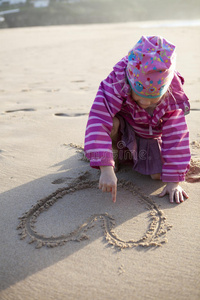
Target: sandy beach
{"x": 72, "y": 242}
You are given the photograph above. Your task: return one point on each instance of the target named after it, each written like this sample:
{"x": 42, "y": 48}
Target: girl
{"x": 138, "y": 115}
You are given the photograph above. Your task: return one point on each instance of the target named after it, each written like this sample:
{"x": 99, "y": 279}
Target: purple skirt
{"x": 143, "y": 154}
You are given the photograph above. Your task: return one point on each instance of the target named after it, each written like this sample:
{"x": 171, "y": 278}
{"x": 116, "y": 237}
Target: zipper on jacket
{"x": 150, "y": 130}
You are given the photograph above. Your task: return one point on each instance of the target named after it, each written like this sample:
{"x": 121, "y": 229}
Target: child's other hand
{"x": 175, "y": 192}
{"x": 108, "y": 181}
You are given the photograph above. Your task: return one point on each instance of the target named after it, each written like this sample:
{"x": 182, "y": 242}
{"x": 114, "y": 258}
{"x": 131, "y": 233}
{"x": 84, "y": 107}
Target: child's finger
{"x": 181, "y": 197}
{"x": 177, "y": 196}
{"x": 171, "y": 198}
{"x": 104, "y": 188}
{"x": 185, "y": 194}
{"x": 109, "y": 189}
{"x": 163, "y": 193}
{"x": 114, "y": 193}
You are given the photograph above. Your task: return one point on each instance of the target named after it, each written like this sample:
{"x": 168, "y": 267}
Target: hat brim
{"x": 161, "y": 93}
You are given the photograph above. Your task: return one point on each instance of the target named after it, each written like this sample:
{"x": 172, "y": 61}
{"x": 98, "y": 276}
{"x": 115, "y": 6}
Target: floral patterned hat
{"x": 151, "y": 65}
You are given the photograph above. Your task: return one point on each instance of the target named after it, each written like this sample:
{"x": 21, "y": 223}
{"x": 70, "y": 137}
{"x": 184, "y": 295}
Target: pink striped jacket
{"x": 167, "y": 124}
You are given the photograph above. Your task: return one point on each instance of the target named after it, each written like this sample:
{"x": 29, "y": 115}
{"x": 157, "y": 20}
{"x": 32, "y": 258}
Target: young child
{"x": 138, "y": 114}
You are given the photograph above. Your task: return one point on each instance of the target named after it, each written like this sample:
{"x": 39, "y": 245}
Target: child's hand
{"x": 108, "y": 181}
{"x": 175, "y": 192}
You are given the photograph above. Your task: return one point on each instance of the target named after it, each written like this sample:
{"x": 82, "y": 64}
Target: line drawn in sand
{"x": 154, "y": 236}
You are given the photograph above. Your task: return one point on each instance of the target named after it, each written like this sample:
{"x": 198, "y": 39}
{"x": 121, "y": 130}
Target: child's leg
{"x": 156, "y": 176}
{"x": 114, "y": 136}
{"x": 115, "y": 129}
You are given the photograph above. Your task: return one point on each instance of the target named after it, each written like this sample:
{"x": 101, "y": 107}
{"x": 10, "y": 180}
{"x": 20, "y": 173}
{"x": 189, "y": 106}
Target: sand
{"x": 71, "y": 241}
{"x": 154, "y": 235}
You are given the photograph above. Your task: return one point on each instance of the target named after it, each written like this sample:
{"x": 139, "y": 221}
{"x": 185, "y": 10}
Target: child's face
{"x": 145, "y": 102}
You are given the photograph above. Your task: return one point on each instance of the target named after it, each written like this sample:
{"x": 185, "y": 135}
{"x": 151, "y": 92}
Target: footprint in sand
{"x": 26, "y": 90}
{"x": 70, "y": 115}
{"x": 195, "y": 144}
{"x": 21, "y": 109}
{"x": 193, "y": 174}
{"x": 155, "y": 234}
{"x": 52, "y": 90}
{"x": 85, "y": 88}
{"x": 77, "y": 81}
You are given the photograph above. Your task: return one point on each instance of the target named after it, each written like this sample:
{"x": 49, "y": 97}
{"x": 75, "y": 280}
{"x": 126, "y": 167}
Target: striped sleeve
{"x": 98, "y": 144}
{"x": 175, "y": 147}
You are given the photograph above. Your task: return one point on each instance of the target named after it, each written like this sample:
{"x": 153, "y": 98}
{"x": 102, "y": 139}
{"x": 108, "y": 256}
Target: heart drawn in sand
{"x": 155, "y": 234}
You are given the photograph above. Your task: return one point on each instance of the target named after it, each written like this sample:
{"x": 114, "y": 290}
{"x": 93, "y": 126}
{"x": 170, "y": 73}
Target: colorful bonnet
{"x": 151, "y": 65}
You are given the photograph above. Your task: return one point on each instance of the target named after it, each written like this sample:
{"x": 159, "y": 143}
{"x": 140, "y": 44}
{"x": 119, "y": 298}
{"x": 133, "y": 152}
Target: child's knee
{"x": 115, "y": 128}
{"x": 155, "y": 176}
